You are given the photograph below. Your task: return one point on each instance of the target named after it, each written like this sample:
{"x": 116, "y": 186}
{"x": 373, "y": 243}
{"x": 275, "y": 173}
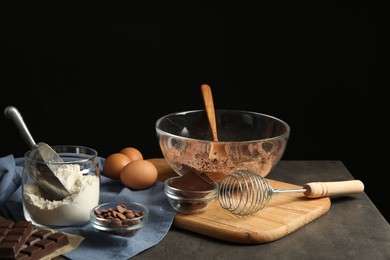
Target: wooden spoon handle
{"x": 209, "y": 106}
{"x": 323, "y": 189}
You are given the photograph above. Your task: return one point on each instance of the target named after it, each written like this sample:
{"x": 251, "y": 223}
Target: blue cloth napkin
{"x": 96, "y": 245}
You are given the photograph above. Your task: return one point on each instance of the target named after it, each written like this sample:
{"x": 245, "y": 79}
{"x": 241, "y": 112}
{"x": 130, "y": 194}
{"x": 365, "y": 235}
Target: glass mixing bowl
{"x": 247, "y": 140}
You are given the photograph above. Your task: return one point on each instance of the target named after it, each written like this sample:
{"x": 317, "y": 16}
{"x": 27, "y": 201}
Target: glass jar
{"x": 79, "y": 174}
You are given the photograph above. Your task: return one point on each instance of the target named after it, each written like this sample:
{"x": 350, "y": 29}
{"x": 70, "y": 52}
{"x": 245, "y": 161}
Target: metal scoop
{"x": 43, "y": 176}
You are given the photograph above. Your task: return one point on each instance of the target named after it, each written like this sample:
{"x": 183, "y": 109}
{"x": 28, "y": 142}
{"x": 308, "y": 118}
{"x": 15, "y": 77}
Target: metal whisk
{"x": 244, "y": 192}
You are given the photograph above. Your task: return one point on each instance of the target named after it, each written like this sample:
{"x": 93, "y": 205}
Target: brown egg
{"x": 114, "y": 164}
{"x": 139, "y": 174}
{"x": 132, "y": 153}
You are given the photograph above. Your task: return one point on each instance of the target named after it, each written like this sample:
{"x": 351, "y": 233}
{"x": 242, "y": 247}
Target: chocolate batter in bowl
{"x": 252, "y": 141}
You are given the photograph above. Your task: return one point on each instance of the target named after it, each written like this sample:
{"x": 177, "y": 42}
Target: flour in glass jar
{"x": 72, "y": 210}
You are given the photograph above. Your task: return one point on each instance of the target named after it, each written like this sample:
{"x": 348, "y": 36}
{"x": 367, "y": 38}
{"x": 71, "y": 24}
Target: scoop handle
{"x": 324, "y": 189}
{"x": 13, "y": 114}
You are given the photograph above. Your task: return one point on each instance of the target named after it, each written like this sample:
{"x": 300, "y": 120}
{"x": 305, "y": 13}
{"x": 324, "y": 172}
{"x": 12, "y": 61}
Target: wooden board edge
{"x": 216, "y": 230}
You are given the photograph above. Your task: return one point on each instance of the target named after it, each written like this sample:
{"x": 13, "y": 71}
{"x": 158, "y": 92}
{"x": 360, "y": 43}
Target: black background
{"x": 100, "y": 75}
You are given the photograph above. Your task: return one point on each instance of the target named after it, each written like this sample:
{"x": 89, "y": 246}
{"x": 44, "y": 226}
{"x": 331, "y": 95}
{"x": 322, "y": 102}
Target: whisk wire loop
{"x": 244, "y": 192}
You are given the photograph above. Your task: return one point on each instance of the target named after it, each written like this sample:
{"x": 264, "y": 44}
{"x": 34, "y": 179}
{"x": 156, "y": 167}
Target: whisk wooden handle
{"x": 323, "y": 189}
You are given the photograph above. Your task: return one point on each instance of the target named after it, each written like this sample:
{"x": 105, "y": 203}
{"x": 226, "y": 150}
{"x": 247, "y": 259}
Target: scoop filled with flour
{"x": 72, "y": 210}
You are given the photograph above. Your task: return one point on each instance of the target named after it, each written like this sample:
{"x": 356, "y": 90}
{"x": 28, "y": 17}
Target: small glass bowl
{"x": 189, "y": 201}
{"x": 121, "y": 225}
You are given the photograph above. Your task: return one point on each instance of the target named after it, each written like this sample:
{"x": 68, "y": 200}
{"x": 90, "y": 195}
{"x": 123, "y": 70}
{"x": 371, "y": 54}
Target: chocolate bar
{"x": 35, "y": 245}
{"x": 42, "y": 247}
{"x": 13, "y": 236}
{"x": 193, "y": 181}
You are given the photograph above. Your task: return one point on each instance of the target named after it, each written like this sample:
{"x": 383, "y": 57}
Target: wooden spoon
{"x": 217, "y": 150}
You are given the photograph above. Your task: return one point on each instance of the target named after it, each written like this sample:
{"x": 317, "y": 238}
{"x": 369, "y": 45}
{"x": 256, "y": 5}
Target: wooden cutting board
{"x": 283, "y": 214}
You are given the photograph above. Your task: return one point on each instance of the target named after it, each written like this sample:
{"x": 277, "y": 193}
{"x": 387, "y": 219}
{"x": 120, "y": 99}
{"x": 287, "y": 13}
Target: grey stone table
{"x": 353, "y": 228}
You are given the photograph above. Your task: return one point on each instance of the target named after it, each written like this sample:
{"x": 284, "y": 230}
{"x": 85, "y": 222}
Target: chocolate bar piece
{"x": 193, "y": 181}
{"x": 22, "y": 240}
{"x": 43, "y": 247}
{"x": 13, "y": 237}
